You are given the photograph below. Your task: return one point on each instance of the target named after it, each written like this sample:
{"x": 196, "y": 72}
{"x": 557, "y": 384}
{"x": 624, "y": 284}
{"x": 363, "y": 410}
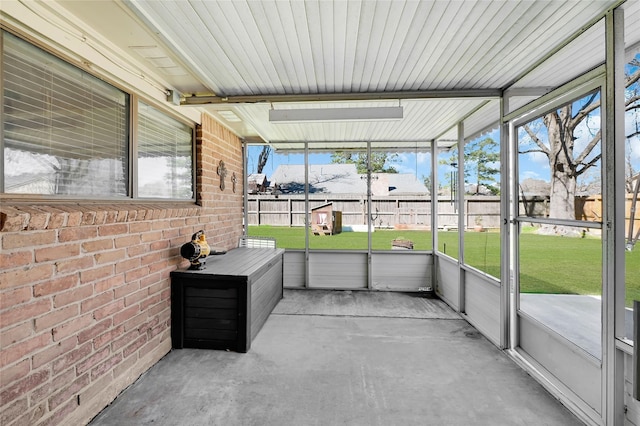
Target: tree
{"x": 377, "y": 162}
{"x": 263, "y": 157}
{"x": 558, "y": 144}
{"x": 482, "y": 157}
{"x": 480, "y": 164}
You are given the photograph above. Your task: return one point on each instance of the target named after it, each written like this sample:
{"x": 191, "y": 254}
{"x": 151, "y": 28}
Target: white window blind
{"x": 65, "y": 131}
{"x": 165, "y": 155}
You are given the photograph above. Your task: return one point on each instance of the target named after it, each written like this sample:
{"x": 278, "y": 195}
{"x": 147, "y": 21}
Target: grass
{"x": 549, "y": 264}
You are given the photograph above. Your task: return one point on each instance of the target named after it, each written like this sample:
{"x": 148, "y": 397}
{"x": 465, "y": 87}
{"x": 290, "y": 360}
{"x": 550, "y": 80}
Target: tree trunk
{"x": 563, "y": 177}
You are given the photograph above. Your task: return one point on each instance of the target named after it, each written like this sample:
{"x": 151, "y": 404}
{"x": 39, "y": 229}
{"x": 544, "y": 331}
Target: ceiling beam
{"x": 332, "y": 97}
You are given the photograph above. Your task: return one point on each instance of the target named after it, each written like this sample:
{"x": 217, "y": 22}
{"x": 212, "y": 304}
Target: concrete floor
{"x": 344, "y": 358}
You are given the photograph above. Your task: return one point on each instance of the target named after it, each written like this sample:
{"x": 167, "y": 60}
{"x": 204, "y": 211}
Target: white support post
{"x": 613, "y": 149}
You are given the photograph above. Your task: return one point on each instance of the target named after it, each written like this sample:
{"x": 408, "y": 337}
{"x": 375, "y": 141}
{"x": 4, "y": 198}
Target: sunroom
{"x": 486, "y": 152}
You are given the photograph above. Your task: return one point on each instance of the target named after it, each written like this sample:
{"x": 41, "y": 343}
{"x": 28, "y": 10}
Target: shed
{"x": 325, "y": 220}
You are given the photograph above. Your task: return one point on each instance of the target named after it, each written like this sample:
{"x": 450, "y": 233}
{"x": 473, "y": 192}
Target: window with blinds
{"x": 165, "y": 168}
{"x": 65, "y": 132}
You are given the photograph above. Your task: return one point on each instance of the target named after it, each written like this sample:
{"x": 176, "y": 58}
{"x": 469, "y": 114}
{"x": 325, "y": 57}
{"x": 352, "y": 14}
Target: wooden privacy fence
{"x": 408, "y": 211}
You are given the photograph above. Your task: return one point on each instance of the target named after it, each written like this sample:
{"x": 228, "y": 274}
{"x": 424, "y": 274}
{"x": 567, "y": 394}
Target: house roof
{"x": 343, "y": 179}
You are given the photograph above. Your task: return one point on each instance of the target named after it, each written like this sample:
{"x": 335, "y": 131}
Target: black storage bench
{"x": 225, "y": 305}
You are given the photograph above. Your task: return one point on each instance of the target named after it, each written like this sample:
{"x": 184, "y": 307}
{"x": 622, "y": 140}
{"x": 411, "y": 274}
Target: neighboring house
{"x": 256, "y": 183}
{"x": 344, "y": 179}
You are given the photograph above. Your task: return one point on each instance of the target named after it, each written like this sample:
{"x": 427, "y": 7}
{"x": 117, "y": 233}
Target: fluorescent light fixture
{"x": 336, "y": 114}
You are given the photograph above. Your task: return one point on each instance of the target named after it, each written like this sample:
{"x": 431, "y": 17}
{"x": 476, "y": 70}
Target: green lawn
{"x": 548, "y": 264}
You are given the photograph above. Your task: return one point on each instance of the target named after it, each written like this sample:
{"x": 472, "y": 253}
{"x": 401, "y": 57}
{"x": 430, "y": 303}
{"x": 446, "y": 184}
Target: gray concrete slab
{"x": 578, "y": 318}
{"x": 320, "y": 369}
{"x": 364, "y": 304}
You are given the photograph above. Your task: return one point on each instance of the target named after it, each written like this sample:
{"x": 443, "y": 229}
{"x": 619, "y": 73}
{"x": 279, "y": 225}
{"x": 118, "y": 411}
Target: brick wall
{"x": 85, "y": 288}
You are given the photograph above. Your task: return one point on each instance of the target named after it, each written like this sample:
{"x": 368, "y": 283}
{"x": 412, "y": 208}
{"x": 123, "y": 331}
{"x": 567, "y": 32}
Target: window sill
{"x": 27, "y": 216}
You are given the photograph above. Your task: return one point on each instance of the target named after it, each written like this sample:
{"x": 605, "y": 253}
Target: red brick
{"x": 24, "y": 349}
{"x": 96, "y": 301}
{"x": 92, "y": 361}
{"x": 135, "y": 322}
{"x": 159, "y": 245}
{"x": 108, "y": 310}
{"x": 94, "y": 331}
{"x": 156, "y": 309}
{"x": 53, "y": 352}
{"x": 14, "y": 372}
{"x": 109, "y": 283}
{"x": 151, "y": 236}
{"x": 126, "y": 339}
{"x": 106, "y": 366}
{"x": 23, "y": 386}
{"x": 52, "y": 386}
{"x": 71, "y": 327}
{"x": 33, "y": 416}
{"x": 56, "y": 317}
{"x": 57, "y": 220}
{"x": 113, "y": 229}
{"x": 13, "y": 411}
{"x": 25, "y": 275}
{"x": 55, "y": 285}
{"x": 15, "y": 259}
{"x": 96, "y": 274}
{"x": 125, "y": 366}
{"x": 136, "y": 274}
{"x": 19, "y": 240}
{"x": 69, "y": 392}
{"x": 108, "y": 337}
{"x": 125, "y": 315}
{"x": 127, "y": 265}
{"x": 88, "y": 218}
{"x": 135, "y": 297}
{"x": 98, "y": 245}
{"x": 157, "y": 330}
{"x": 74, "y": 219}
{"x": 70, "y": 358}
{"x": 110, "y": 256}
{"x": 13, "y": 297}
{"x": 137, "y": 344}
{"x": 72, "y": 296}
{"x": 150, "y": 280}
{"x": 149, "y": 301}
{"x": 75, "y": 234}
{"x": 159, "y": 266}
{"x": 151, "y": 257}
{"x": 139, "y": 227}
{"x": 137, "y": 250}
{"x": 74, "y": 265}
{"x": 12, "y": 220}
{"x": 60, "y": 251}
{"x": 126, "y": 289}
{"x": 168, "y": 234}
{"x": 9, "y": 336}
{"x": 24, "y": 312}
{"x": 61, "y": 414}
{"x": 127, "y": 241}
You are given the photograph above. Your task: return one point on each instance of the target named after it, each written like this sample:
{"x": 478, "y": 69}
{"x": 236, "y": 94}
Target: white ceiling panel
{"x": 268, "y": 48}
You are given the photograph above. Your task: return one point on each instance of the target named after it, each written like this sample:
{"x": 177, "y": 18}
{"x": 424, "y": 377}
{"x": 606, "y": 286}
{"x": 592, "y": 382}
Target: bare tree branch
{"x": 537, "y": 140}
{"x": 589, "y": 147}
{"x": 586, "y": 109}
{"x": 528, "y": 151}
{"x": 588, "y": 165}
{"x": 633, "y": 78}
